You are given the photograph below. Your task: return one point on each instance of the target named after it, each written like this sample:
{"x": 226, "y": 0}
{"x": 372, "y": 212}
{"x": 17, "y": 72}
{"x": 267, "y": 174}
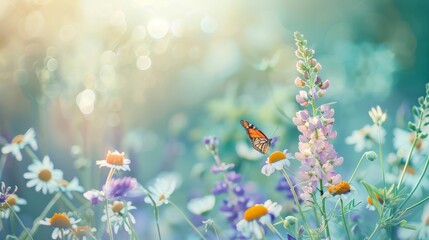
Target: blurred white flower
{"x": 19, "y": 142}
{"x": 68, "y": 187}
{"x": 119, "y": 215}
{"x": 199, "y": 206}
{"x": 402, "y": 140}
{"x": 364, "y": 138}
{"x": 245, "y": 151}
{"x": 161, "y": 191}
{"x": 14, "y": 201}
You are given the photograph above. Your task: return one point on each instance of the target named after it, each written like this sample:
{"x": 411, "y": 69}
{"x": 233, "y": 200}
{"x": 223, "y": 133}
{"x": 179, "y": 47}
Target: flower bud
{"x": 289, "y": 221}
{"x": 371, "y": 155}
{"x": 318, "y": 67}
{"x": 313, "y": 62}
{"x": 300, "y": 67}
{"x": 299, "y": 82}
{"x": 318, "y": 80}
{"x": 324, "y": 85}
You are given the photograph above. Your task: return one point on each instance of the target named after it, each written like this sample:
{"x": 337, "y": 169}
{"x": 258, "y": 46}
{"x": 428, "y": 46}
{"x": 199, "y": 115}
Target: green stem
{"x": 187, "y": 220}
{"x": 411, "y": 151}
{"x": 2, "y": 163}
{"x": 43, "y": 214}
{"x": 295, "y": 197}
{"x": 380, "y": 149}
{"x": 373, "y": 232}
{"x": 109, "y": 225}
{"x": 68, "y": 203}
{"x": 31, "y": 154}
{"x": 128, "y": 223}
{"x": 357, "y": 166}
{"x": 325, "y": 219}
{"x": 416, "y": 204}
{"x": 344, "y": 219}
{"x": 155, "y": 211}
{"x": 19, "y": 220}
{"x": 274, "y": 230}
{"x": 418, "y": 182}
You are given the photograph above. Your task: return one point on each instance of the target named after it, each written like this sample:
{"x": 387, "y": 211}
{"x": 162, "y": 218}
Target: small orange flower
{"x": 380, "y": 200}
{"x": 255, "y": 212}
{"x": 341, "y": 188}
{"x": 115, "y": 160}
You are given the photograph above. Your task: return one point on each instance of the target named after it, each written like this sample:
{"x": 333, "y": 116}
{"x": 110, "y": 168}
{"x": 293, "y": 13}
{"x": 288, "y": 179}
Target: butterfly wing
{"x": 259, "y": 141}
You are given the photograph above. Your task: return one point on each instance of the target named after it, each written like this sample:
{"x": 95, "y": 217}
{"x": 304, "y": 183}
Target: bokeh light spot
{"x": 144, "y": 63}
{"x": 158, "y": 28}
{"x": 85, "y": 101}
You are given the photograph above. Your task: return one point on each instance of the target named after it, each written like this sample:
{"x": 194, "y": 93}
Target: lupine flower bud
{"x": 300, "y": 67}
{"x": 289, "y": 221}
{"x": 324, "y": 85}
{"x": 318, "y": 67}
{"x": 302, "y": 98}
{"x": 299, "y": 82}
{"x": 313, "y": 62}
{"x": 318, "y": 80}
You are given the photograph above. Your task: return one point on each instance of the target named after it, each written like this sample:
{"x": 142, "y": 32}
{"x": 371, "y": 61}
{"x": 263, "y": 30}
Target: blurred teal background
{"x": 152, "y": 78}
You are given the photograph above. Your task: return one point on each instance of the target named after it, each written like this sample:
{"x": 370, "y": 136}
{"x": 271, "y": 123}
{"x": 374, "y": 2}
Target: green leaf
{"x": 412, "y": 126}
{"x": 372, "y": 191}
{"x": 404, "y": 224}
{"x": 416, "y": 111}
{"x": 10, "y": 237}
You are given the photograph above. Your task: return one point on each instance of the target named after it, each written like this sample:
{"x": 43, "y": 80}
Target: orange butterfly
{"x": 259, "y": 141}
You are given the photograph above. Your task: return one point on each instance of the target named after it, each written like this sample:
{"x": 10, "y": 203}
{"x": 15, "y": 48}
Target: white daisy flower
{"x": 19, "y": 142}
{"x": 69, "y": 187}
{"x": 422, "y": 228}
{"x": 402, "y": 140}
{"x": 256, "y": 216}
{"x": 276, "y": 161}
{"x": 161, "y": 191}
{"x": 62, "y": 223}
{"x": 43, "y": 176}
{"x": 364, "y": 138}
{"x": 14, "y": 201}
{"x": 199, "y": 206}
{"x": 115, "y": 160}
{"x": 119, "y": 215}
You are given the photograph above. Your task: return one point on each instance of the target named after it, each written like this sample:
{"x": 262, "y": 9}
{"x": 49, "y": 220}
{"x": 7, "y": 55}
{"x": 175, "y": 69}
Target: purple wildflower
{"x": 5, "y": 192}
{"x": 94, "y": 196}
{"x": 220, "y": 187}
{"x": 119, "y": 187}
{"x": 317, "y": 156}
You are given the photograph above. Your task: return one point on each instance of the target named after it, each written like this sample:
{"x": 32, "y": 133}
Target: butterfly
{"x": 259, "y": 141}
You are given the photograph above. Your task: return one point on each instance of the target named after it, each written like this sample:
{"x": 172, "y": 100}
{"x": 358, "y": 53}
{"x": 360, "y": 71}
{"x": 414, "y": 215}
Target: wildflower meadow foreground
{"x": 290, "y": 186}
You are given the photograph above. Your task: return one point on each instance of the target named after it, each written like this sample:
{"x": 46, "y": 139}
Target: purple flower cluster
{"x": 318, "y": 157}
{"x": 237, "y": 202}
{"x": 119, "y": 187}
{"x": 5, "y": 192}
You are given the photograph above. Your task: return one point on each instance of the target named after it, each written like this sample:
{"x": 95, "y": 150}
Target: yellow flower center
{"x": 60, "y": 220}
{"x": 117, "y": 206}
{"x": 63, "y": 183}
{"x": 11, "y": 200}
{"x": 342, "y": 188}
{"x": 380, "y": 200}
{"x": 161, "y": 197}
{"x": 115, "y": 158}
{"x": 276, "y": 156}
{"x": 255, "y": 212}
{"x": 45, "y": 175}
{"x": 18, "y": 139}
{"x": 82, "y": 231}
